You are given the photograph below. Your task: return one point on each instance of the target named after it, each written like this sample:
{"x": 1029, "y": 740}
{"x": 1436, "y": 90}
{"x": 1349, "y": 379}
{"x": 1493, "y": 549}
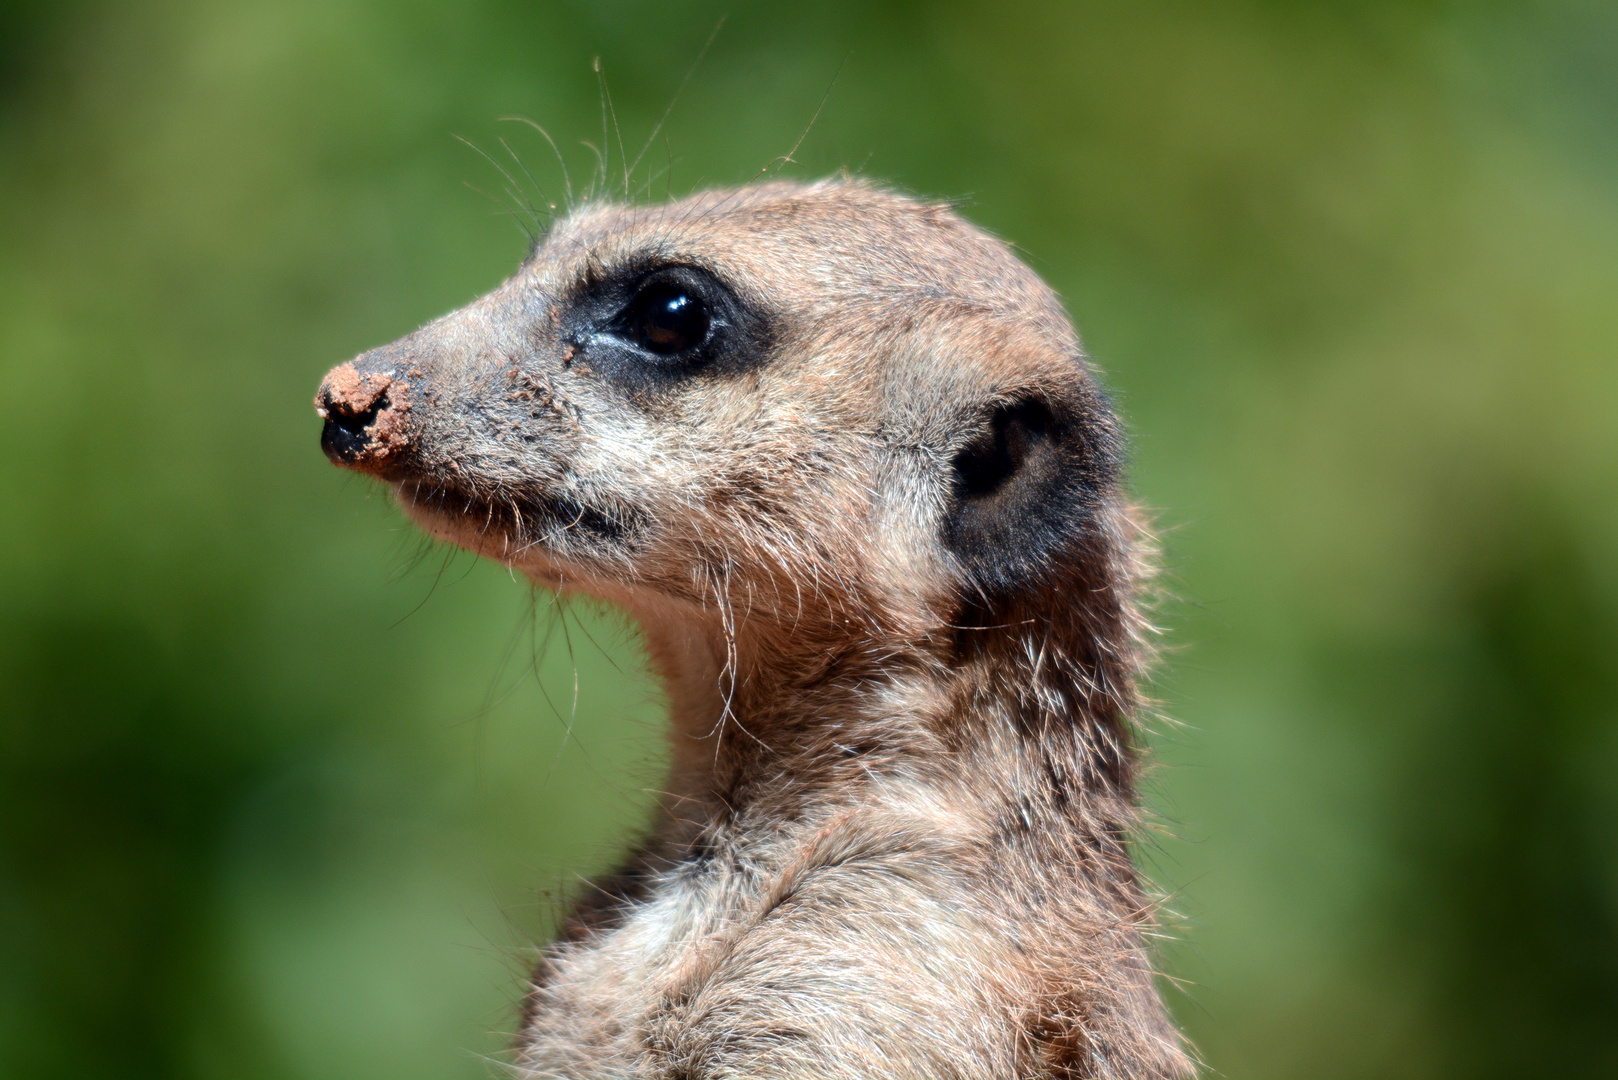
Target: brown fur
{"x": 896, "y": 842}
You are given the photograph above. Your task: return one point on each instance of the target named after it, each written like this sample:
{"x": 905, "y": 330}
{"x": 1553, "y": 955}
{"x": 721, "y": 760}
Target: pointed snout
{"x": 367, "y": 412}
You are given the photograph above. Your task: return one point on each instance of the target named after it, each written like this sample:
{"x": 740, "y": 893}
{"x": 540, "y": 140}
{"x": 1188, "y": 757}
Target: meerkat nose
{"x": 367, "y": 419}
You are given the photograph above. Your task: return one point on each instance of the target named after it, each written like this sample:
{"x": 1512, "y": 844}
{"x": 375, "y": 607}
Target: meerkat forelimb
{"x": 842, "y": 458}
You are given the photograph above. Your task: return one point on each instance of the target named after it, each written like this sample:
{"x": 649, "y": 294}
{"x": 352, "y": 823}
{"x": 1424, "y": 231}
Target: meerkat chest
{"x": 720, "y": 965}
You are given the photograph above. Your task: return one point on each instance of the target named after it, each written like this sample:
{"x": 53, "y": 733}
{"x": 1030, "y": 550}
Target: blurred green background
{"x": 284, "y": 791}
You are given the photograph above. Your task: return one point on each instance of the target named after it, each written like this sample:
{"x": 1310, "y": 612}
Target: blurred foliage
{"x": 284, "y": 791}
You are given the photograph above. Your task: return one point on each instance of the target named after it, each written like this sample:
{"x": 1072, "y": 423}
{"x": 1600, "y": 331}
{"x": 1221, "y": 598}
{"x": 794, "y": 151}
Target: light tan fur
{"x": 896, "y": 837}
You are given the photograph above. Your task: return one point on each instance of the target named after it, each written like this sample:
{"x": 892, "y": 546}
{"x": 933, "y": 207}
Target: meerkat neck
{"x": 754, "y": 717}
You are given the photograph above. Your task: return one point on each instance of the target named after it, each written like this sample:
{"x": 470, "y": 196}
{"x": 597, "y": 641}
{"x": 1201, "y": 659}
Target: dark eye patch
{"x": 646, "y": 327}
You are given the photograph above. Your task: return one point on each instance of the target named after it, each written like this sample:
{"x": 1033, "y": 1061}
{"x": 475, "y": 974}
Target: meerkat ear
{"x": 1024, "y": 488}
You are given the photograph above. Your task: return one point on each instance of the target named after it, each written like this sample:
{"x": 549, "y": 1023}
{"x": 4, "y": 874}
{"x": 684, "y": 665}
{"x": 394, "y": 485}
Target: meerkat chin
{"x": 841, "y": 455}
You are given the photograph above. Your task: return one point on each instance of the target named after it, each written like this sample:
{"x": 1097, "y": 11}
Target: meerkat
{"x": 842, "y": 458}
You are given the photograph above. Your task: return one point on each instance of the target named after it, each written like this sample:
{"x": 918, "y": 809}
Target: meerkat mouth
{"x": 514, "y": 528}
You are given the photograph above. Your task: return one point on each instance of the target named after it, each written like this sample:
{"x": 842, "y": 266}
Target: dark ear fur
{"x": 1026, "y": 487}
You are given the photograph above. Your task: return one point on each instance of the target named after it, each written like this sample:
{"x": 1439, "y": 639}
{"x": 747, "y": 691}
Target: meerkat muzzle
{"x": 367, "y": 423}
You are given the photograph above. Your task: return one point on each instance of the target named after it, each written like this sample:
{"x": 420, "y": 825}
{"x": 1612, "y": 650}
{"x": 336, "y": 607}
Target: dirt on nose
{"x": 367, "y": 418}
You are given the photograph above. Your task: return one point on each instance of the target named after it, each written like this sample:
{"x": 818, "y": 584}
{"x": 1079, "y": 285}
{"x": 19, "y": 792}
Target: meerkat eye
{"x": 648, "y": 327}
{"x": 666, "y": 318}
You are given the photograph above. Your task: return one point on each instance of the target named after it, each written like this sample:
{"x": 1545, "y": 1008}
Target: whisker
{"x": 567, "y": 181}
{"x": 781, "y": 162}
{"x": 606, "y": 99}
{"x": 692, "y": 70}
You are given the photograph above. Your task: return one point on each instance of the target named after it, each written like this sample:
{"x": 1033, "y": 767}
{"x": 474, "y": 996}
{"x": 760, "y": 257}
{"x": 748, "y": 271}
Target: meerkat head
{"x": 814, "y": 400}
